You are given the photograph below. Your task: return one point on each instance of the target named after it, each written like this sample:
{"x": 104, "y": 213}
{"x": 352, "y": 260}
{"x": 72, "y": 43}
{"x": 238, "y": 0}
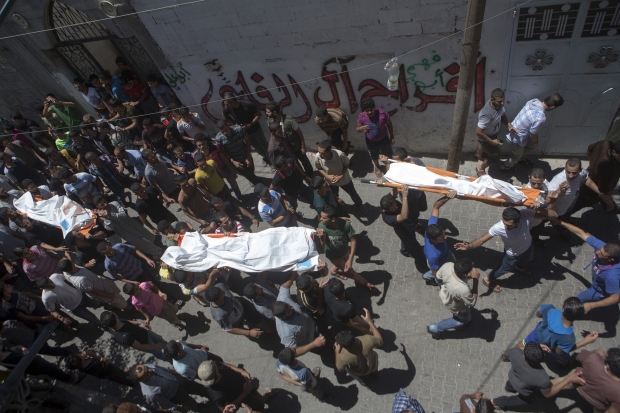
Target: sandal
{"x": 378, "y": 173}
{"x": 316, "y": 372}
{"x": 179, "y": 304}
{"x": 271, "y": 393}
{"x": 480, "y": 172}
{"x": 526, "y": 271}
{"x": 179, "y": 327}
{"x": 491, "y": 286}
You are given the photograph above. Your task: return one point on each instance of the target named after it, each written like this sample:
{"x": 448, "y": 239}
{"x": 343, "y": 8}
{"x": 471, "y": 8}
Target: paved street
{"x": 436, "y": 372}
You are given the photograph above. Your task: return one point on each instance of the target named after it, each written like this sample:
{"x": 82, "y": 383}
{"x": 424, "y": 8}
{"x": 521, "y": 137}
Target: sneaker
{"x": 430, "y": 281}
{"x": 434, "y": 335}
{"x": 405, "y": 254}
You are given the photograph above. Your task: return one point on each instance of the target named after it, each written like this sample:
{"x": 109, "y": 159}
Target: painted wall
{"x": 290, "y": 51}
{"x": 294, "y": 52}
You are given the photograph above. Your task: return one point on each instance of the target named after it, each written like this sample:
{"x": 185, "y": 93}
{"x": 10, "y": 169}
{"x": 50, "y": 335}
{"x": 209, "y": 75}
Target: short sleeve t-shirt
{"x": 600, "y": 390}
{"x": 337, "y": 240}
{"x": 291, "y": 183}
{"x": 605, "y": 278}
{"x": 377, "y": 125}
{"x": 524, "y": 378}
{"x": 271, "y": 296}
{"x": 163, "y": 95}
{"x": 151, "y": 302}
{"x": 209, "y": 179}
{"x": 436, "y": 255}
{"x": 228, "y": 388}
{"x": 361, "y": 359}
{"x": 489, "y": 120}
{"x": 188, "y": 365}
{"x": 335, "y": 166}
{"x": 230, "y": 314}
{"x": 299, "y": 372}
{"x": 62, "y": 295}
{"x": 275, "y": 209}
{"x": 84, "y": 181}
{"x": 517, "y": 240}
{"x": 342, "y": 310}
{"x": 552, "y": 332}
{"x": 563, "y": 203}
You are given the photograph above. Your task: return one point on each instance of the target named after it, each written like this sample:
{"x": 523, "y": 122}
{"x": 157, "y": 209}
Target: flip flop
{"x": 491, "y": 286}
{"x": 480, "y": 172}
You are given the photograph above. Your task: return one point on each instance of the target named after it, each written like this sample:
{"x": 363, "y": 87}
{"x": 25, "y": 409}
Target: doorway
{"x": 571, "y": 48}
{"x": 93, "y": 48}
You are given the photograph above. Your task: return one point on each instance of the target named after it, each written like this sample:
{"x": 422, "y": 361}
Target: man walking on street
{"x": 456, "y": 295}
{"x": 563, "y": 189}
{"x": 292, "y": 134}
{"x": 247, "y": 115}
{"x": 514, "y": 229}
{"x": 603, "y": 175}
{"x": 334, "y": 166}
{"x": 435, "y": 247}
{"x": 522, "y": 136}
{"x": 489, "y": 119}
{"x": 334, "y": 122}
{"x": 356, "y": 355}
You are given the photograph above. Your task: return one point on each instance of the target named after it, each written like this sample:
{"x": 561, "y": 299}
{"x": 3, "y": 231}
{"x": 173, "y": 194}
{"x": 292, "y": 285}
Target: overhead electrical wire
{"x": 512, "y": 9}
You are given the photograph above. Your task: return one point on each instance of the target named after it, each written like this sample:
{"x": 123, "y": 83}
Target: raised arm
{"x": 441, "y": 202}
{"x": 464, "y": 246}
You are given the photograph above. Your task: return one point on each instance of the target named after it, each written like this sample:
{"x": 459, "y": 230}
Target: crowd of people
{"x": 148, "y": 153}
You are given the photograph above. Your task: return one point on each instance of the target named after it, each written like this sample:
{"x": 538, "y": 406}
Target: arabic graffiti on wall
{"x": 177, "y": 77}
{"x": 429, "y": 80}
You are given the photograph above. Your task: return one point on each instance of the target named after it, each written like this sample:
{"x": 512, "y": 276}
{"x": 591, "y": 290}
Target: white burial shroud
{"x": 418, "y": 176}
{"x": 275, "y": 249}
{"x": 58, "y": 211}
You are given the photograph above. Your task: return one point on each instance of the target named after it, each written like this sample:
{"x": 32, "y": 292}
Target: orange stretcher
{"x": 530, "y": 193}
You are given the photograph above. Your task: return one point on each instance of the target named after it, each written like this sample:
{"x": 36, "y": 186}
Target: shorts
{"x": 338, "y": 263}
{"x": 384, "y": 146}
{"x": 492, "y": 152}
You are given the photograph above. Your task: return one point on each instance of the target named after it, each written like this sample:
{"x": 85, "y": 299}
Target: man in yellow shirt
{"x": 209, "y": 179}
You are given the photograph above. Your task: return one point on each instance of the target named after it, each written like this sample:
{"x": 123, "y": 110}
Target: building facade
{"x": 305, "y": 54}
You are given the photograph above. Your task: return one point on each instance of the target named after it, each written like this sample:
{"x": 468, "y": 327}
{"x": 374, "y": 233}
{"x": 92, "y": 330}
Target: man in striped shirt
{"x": 237, "y": 145}
{"x": 123, "y": 264}
{"x": 37, "y": 262}
{"x": 227, "y": 225}
{"x": 522, "y": 136}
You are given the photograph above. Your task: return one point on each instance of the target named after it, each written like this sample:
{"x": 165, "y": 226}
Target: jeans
{"x": 509, "y": 262}
{"x": 455, "y": 322}
{"x": 510, "y": 402}
{"x": 349, "y": 189}
{"x": 429, "y": 274}
{"x": 258, "y": 141}
{"x": 590, "y": 295}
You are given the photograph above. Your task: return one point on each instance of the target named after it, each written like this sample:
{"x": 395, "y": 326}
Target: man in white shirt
{"x": 487, "y": 130}
{"x": 514, "y": 229}
{"x": 456, "y": 295}
{"x": 522, "y": 135}
{"x": 563, "y": 189}
{"x": 57, "y": 292}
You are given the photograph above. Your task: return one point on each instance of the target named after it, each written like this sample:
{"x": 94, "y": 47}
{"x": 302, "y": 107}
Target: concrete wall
{"x": 255, "y": 46}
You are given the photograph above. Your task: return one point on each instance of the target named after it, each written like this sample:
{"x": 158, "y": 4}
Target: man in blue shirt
{"x": 274, "y": 210}
{"x": 605, "y": 288}
{"x": 556, "y": 330}
{"x": 435, "y": 247}
{"x": 295, "y": 372}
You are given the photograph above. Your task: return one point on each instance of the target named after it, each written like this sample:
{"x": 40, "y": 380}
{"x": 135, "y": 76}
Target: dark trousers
{"x": 349, "y": 189}
{"x": 248, "y": 173}
{"x": 112, "y": 373}
{"x": 410, "y": 245}
{"x": 511, "y": 402}
{"x": 39, "y": 366}
{"x": 584, "y": 201}
{"x": 84, "y": 313}
{"x": 537, "y": 230}
{"x": 305, "y": 162}
{"x": 304, "y": 192}
{"x": 336, "y": 139}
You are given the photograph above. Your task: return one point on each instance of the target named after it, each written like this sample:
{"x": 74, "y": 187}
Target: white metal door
{"x": 571, "y": 48}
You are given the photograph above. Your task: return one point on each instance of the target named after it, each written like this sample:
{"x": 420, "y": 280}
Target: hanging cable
{"x": 307, "y": 80}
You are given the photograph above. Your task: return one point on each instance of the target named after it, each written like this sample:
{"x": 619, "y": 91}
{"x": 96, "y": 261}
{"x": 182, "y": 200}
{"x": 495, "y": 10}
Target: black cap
{"x": 260, "y": 189}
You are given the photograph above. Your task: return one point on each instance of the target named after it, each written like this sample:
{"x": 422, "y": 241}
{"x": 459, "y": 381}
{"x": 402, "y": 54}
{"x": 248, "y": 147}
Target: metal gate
{"x": 71, "y": 36}
{"x": 571, "y": 48}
